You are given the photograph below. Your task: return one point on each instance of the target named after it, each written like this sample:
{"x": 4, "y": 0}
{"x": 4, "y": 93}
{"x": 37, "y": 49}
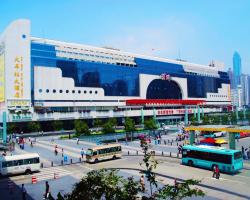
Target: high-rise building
{"x": 231, "y": 78}
{"x": 245, "y": 89}
{"x": 236, "y": 68}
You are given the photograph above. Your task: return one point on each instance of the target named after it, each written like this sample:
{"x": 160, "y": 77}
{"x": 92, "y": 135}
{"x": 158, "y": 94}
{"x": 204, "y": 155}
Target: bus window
{"x": 28, "y": 161}
{"x": 89, "y": 152}
{"x": 18, "y": 162}
{"x": 7, "y": 164}
{"x": 237, "y": 155}
{"x": 94, "y": 153}
{"x": 36, "y": 160}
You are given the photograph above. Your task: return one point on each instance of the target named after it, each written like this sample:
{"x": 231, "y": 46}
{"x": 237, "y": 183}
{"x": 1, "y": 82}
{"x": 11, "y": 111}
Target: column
{"x": 237, "y": 114}
{"x": 194, "y": 112}
{"x": 202, "y": 111}
{"x": 244, "y": 112}
{"x": 142, "y": 116}
{"x": 232, "y": 141}
{"x": 199, "y": 115}
{"x": 191, "y": 137}
{"x": 4, "y": 128}
{"x": 186, "y": 116}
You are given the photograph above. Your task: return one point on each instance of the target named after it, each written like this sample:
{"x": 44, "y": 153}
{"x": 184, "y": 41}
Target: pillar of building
{"x": 186, "y": 116}
{"x": 199, "y": 115}
{"x": 4, "y": 128}
{"x": 154, "y": 115}
{"x": 202, "y": 111}
{"x": 191, "y": 137}
{"x": 194, "y": 112}
{"x": 142, "y": 116}
{"x": 232, "y": 144}
{"x": 237, "y": 113}
{"x": 244, "y": 112}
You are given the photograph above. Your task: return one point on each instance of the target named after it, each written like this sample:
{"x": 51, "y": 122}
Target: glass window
{"x": 94, "y": 153}
{"x": 96, "y": 92}
{"x": 54, "y": 91}
{"x": 79, "y": 91}
{"x": 18, "y": 162}
{"x": 28, "y": 161}
{"x": 40, "y": 90}
{"x": 67, "y": 91}
{"x": 47, "y": 90}
{"x": 60, "y": 91}
{"x": 90, "y": 91}
{"x": 73, "y": 91}
{"x": 85, "y": 91}
{"x": 237, "y": 155}
{"x": 36, "y": 160}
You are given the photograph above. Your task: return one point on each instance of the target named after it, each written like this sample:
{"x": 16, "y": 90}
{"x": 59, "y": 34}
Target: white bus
{"x": 105, "y": 152}
{"x": 16, "y": 164}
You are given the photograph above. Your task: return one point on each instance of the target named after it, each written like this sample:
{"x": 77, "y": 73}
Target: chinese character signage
{"x": 18, "y": 77}
{"x": 173, "y": 111}
{"x": 2, "y": 83}
{"x": 165, "y": 76}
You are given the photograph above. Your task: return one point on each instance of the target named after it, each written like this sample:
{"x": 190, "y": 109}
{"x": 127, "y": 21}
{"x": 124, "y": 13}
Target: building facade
{"x": 42, "y": 79}
{"x": 236, "y": 69}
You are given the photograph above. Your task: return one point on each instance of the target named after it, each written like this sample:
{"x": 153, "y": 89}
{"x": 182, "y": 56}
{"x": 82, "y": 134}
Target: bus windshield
{"x": 237, "y": 155}
{"x": 89, "y": 152}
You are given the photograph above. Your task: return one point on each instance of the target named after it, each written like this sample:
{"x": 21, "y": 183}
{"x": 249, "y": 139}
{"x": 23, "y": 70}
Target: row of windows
{"x": 215, "y": 157}
{"x": 67, "y": 91}
{"x": 109, "y": 150}
{"x": 217, "y": 95}
{"x": 19, "y": 162}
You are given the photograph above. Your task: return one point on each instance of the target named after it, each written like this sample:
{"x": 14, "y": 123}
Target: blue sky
{"x": 197, "y": 30}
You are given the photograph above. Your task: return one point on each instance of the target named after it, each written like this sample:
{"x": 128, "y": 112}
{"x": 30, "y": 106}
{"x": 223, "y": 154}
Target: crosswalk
{"x": 51, "y": 173}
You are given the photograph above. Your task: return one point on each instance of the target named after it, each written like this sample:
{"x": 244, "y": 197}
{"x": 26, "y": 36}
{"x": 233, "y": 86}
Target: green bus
{"x": 229, "y": 161}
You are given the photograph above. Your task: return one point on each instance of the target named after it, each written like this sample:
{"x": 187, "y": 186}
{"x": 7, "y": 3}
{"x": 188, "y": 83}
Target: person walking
{"x": 24, "y": 192}
{"x": 216, "y": 172}
{"x": 142, "y": 183}
{"x": 77, "y": 142}
{"x": 82, "y": 153}
{"x": 246, "y": 154}
{"x": 47, "y": 190}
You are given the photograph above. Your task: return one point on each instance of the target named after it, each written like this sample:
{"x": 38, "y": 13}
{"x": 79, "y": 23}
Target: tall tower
{"x": 236, "y": 68}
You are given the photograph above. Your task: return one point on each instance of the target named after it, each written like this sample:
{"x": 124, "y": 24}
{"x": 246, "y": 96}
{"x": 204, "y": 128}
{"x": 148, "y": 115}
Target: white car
{"x": 219, "y": 134}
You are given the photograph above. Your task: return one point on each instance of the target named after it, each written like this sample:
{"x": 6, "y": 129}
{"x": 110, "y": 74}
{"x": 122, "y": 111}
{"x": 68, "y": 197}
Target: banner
{"x": 2, "y": 83}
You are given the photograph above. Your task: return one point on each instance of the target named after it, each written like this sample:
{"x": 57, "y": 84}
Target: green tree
{"x": 193, "y": 120}
{"x": 97, "y": 122}
{"x": 108, "y": 127}
{"x": 105, "y": 184}
{"x": 149, "y": 164}
{"x": 224, "y": 119}
{"x": 33, "y": 126}
{"x": 129, "y": 127}
{"x": 81, "y": 127}
{"x": 11, "y": 128}
{"x": 150, "y": 124}
{"x": 179, "y": 191}
{"x": 57, "y": 125}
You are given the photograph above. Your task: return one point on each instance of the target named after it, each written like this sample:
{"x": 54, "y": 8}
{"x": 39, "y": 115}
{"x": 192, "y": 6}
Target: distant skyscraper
{"x": 231, "y": 78}
{"x": 245, "y": 89}
{"x": 236, "y": 68}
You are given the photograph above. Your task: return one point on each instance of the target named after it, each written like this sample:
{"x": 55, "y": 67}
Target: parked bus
{"x": 16, "y": 164}
{"x": 229, "y": 161}
{"x": 98, "y": 153}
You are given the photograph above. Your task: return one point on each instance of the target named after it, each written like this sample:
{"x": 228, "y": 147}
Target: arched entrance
{"x": 163, "y": 89}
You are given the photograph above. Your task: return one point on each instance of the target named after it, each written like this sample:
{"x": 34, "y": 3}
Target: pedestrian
{"x": 62, "y": 152}
{"x": 24, "y": 192}
{"x": 165, "y": 142}
{"x": 77, "y": 141}
{"x": 82, "y": 153}
{"x": 246, "y": 154}
{"x": 47, "y": 190}
{"x": 4, "y": 153}
{"x": 56, "y": 152}
{"x": 216, "y": 172}
{"x": 31, "y": 143}
{"x": 179, "y": 149}
{"x": 142, "y": 183}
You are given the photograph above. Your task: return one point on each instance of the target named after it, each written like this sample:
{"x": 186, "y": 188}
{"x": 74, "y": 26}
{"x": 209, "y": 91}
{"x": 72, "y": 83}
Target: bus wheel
{"x": 114, "y": 157}
{"x": 96, "y": 160}
{"x": 27, "y": 171}
{"x": 190, "y": 163}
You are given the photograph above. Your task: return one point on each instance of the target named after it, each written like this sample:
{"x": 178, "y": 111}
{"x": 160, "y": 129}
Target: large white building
{"x": 42, "y": 79}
